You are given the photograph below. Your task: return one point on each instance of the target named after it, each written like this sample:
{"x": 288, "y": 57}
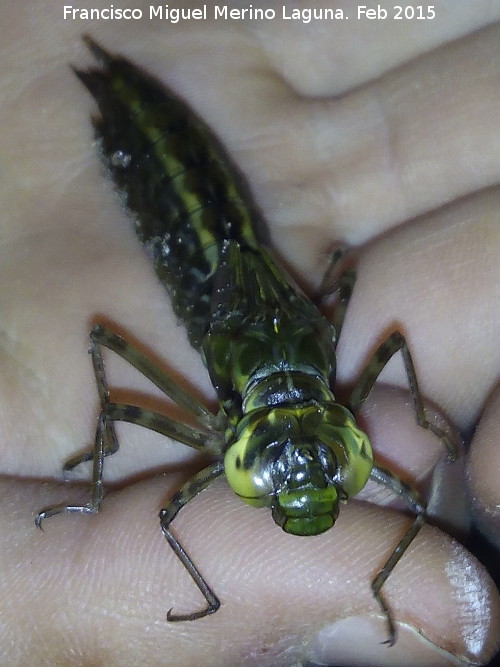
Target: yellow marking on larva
{"x": 272, "y": 416}
{"x": 232, "y": 192}
{"x": 128, "y": 95}
{"x": 154, "y": 134}
{"x": 205, "y": 236}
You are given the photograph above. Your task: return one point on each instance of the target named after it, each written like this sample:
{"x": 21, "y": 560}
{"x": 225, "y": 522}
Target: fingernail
{"x": 357, "y": 641}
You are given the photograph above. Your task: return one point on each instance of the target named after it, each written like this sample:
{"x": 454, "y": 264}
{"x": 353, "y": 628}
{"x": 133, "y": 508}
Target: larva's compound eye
{"x": 301, "y": 461}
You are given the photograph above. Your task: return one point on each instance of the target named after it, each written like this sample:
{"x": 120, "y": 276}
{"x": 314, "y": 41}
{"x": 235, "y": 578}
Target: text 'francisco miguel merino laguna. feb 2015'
{"x": 224, "y": 12}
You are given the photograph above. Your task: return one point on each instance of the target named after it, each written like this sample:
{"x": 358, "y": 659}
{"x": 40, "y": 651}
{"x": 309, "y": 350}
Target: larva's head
{"x": 300, "y": 461}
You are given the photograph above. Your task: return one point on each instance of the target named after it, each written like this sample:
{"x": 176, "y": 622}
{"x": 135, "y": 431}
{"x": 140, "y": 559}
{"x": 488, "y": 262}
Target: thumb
{"x": 101, "y": 586}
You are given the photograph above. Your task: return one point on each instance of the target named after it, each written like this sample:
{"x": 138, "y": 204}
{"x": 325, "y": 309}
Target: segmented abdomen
{"x": 178, "y": 181}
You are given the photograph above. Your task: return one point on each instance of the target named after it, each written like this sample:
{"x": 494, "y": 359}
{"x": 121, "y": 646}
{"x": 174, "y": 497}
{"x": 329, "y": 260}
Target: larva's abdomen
{"x": 185, "y": 194}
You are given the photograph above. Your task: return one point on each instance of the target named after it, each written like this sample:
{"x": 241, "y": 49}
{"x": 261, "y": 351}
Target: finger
{"x": 370, "y": 160}
{"x": 421, "y": 280}
{"x": 323, "y": 57}
{"x": 416, "y": 456}
{"x": 88, "y": 585}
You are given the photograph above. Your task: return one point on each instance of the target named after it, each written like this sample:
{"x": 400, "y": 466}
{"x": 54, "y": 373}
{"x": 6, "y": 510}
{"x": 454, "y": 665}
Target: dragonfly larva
{"x": 279, "y": 436}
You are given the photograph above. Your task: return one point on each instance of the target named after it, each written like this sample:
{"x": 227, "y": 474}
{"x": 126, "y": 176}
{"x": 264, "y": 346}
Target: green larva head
{"x": 301, "y": 462}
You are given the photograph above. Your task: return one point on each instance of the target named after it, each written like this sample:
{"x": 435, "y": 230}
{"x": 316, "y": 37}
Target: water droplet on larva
{"x": 120, "y": 159}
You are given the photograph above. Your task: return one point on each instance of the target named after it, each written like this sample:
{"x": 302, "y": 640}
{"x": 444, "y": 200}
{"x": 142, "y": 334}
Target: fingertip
{"x": 284, "y": 585}
{"x": 277, "y": 591}
{"x": 353, "y": 641}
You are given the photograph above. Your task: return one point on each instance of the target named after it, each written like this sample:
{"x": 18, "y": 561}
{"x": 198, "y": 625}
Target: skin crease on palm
{"x": 383, "y": 135}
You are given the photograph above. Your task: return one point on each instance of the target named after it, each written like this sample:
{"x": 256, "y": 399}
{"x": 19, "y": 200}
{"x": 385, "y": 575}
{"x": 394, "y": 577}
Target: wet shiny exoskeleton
{"x": 279, "y": 436}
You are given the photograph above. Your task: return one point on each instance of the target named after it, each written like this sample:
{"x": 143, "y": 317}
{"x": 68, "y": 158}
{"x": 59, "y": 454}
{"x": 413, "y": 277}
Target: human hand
{"x": 333, "y": 150}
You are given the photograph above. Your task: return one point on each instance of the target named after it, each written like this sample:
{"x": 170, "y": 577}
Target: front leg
{"x": 389, "y": 347}
{"x": 411, "y": 497}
